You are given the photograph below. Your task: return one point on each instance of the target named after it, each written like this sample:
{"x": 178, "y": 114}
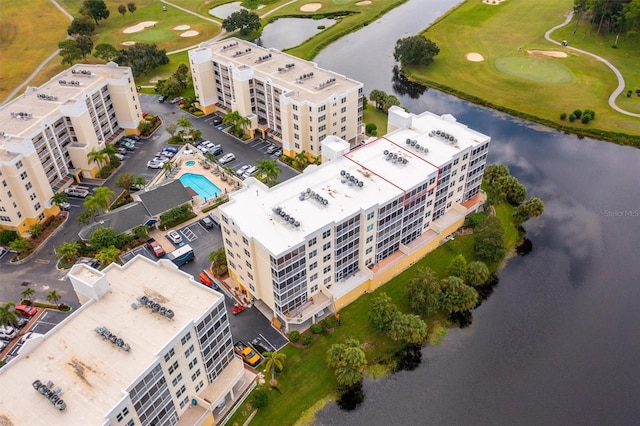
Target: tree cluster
{"x": 384, "y": 316}
{"x": 142, "y": 58}
{"x": 131, "y": 7}
{"x": 95, "y": 9}
{"x": 348, "y": 361}
{"x": 242, "y": 20}
{"x": 382, "y": 100}
{"x": 177, "y": 83}
{"x": 620, "y": 16}
{"x": 415, "y": 50}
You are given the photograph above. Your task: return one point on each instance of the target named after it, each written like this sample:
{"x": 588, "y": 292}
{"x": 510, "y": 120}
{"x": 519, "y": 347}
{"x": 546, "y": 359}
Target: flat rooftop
{"x": 378, "y": 180}
{"x": 312, "y": 88}
{"x": 91, "y": 371}
{"x": 41, "y": 103}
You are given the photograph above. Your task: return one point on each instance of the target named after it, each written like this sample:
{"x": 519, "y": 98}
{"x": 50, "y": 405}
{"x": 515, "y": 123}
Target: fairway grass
{"x": 544, "y": 87}
{"x": 29, "y": 31}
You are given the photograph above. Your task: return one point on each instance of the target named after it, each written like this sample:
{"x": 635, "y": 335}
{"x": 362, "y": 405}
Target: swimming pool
{"x": 203, "y": 186}
{"x": 190, "y": 163}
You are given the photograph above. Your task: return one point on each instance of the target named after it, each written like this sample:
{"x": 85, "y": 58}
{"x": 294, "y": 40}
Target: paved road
{"x": 621, "y": 84}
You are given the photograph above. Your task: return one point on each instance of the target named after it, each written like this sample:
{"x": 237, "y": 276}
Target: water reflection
{"x": 289, "y": 32}
{"x": 403, "y": 86}
{"x": 225, "y": 10}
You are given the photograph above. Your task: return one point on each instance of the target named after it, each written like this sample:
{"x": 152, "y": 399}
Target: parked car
{"x": 65, "y": 206}
{"x": 122, "y": 151}
{"x": 251, "y": 170}
{"x": 134, "y": 137}
{"x": 163, "y": 98}
{"x": 6, "y": 335}
{"x": 26, "y": 310}
{"x": 216, "y": 120}
{"x": 271, "y": 149}
{"x": 119, "y": 156}
{"x": 277, "y": 154}
{"x": 206, "y": 222}
{"x": 227, "y": 158}
{"x": 94, "y": 263}
{"x": 171, "y": 149}
{"x": 22, "y": 322}
{"x": 187, "y": 151}
{"x": 29, "y": 335}
{"x": 155, "y": 164}
{"x": 77, "y": 191}
{"x": 242, "y": 169}
{"x": 155, "y": 247}
{"x": 262, "y": 345}
{"x": 175, "y": 237}
{"x": 206, "y": 146}
{"x": 216, "y": 150}
{"x": 237, "y": 308}
{"x": 177, "y": 100}
{"x": 4, "y": 250}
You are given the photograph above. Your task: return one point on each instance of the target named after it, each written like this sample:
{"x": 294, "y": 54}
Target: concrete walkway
{"x": 621, "y": 84}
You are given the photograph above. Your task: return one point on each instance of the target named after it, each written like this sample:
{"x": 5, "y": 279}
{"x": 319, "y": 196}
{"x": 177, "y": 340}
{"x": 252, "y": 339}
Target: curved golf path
{"x": 621, "y": 84}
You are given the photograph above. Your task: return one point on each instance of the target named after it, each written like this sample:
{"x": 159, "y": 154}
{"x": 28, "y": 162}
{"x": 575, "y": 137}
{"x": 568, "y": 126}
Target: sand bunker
{"x": 311, "y": 7}
{"x": 190, "y": 33}
{"x": 551, "y": 53}
{"x": 474, "y": 57}
{"x": 139, "y": 27}
{"x": 128, "y": 43}
{"x": 363, "y": 3}
{"x": 492, "y": 2}
{"x": 182, "y": 27}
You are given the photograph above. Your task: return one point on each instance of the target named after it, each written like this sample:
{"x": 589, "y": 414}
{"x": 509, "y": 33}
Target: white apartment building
{"x": 47, "y": 132}
{"x": 148, "y": 346}
{"x": 320, "y": 240}
{"x": 289, "y": 99}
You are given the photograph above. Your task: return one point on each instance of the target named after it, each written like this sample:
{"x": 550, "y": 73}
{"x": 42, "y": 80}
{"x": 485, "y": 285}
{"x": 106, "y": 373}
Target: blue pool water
{"x": 190, "y": 163}
{"x": 203, "y": 186}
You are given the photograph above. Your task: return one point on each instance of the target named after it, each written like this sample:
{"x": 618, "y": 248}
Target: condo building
{"x": 286, "y": 98}
{"x": 316, "y": 242}
{"x": 47, "y": 133}
{"x": 148, "y": 346}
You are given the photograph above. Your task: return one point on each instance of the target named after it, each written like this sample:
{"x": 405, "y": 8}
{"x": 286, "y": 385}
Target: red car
{"x": 237, "y": 308}
{"x": 155, "y": 247}
{"x": 26, "y": 310}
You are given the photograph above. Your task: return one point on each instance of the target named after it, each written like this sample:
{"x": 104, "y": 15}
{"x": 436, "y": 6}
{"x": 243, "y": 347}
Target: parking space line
{"x": 188, "y": 234}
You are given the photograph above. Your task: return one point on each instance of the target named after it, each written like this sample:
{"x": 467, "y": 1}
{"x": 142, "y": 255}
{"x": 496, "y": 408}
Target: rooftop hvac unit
{"x": 296, "y": 224}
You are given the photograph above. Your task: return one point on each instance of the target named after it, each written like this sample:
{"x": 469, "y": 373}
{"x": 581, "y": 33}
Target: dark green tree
{"x": 512, "y": 190}
{"x": 382, "y": 312}
{"x": 457, "y": 296}
{"x": 423, "y": 293}
{"x": 81, "y": 26}
{"x": 142, "y": 58}
{"x": 8, "y": 315}
{"x": 493, "y": 172}
{"x": 348, "y": 362}
{"x": 489, "y": 244}
{"x": 131, "y": 7}
{"x": 85, "y": 44}
{"x": 415, "y": 50}
{"x": 105, "y": 52}
{"x": 242, "y": 20}
{"x": 477, "y": 273}
{"x": 122, "y": 9}
{"x": 377, "y": 97}
{"x": 96, "y": 9}
{"x": 69, "y": 51}
{"x": 389, "y": 101}
{"x": 458, "y": 267}
{"x": 408, "y": 327}
{"x": 533, "y": 207}
{"x": 103, "y": 237}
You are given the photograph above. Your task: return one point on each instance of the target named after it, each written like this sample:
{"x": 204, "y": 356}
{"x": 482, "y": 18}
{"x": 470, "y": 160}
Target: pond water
{"x": 223, "y": 11}
{"x": 557, "y": 341}
{"x": 285, "y": 33}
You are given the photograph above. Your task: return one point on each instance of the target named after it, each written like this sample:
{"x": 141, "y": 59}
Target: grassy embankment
{"x": 306, "y": 383}
{"x": 502, "y": 35}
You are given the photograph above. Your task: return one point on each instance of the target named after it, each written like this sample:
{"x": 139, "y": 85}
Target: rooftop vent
{"x": 47, "y": 97}
{"x": 21, "y": 115}
{"x": 81, "y": 72}
{"x": 69, "y": 82}
{"x": 326, "y": 83}
{"x": 53, "y": 395}
{"x": 229, "y": 46}
{"x": 303, "y": 77}
{"x": 286, "y": 68}
{"x": 263, "y": 58}
{"x": 104, "y": 332}
{"x": 242, "y": 52}
{"x": 156, "y": 307}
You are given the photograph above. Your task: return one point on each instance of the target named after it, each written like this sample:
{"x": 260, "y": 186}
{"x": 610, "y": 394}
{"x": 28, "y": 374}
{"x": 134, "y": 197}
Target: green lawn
{"x": 544, "y": 87}
{"x": 306, "y": 382}
{"x": 373, "y": 115}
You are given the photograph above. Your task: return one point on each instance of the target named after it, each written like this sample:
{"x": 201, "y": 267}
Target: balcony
{"x": 308, "y": 310}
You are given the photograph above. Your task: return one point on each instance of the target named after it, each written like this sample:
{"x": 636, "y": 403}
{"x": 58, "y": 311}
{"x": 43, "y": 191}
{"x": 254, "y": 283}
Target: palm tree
{"x": 108, "y": 255}
{"x": 59, "y": 198}
{"x": 185, "y": 126}
{"x": 274, "y": 360}
{"x": 241, "y": 125}
{"x": 27, "y": 293}
{"x": 53, "y": 296}
{"x": 103, "y": 196}
{"x": 110, "y": 151}
{"x": 268, "y": 171}
{"x": 19, "y": 245}
{"x": 125, "y": 181}
{"x": 238, "y": 123}
{"x": 68, "y": 250}
{"x": 97, "y": 157}
{"x": 231, "y": 119}
{"x": 300, "y": 161}
{"x": 140, "y": 182}
{"x": 219, "y": 260}
{"x": 8, "y": 316}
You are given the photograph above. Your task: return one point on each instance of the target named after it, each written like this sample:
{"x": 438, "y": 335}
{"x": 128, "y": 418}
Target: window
{"x": 344, "y": 100}
{"x": 28, "y": 186}
{"x": 296, "y": 136}
{"x": 370, "y": 216}
{"x": 173, "y": 368}
{"x": 314, "y": 288}
{"x": 343, "y": 110}
{"x": 326, "y": 233}
{"x": 23, "y": 175}
{"x": 9, "y": 194}
{"x": 248, "y": 264}
{"x": 326, "y": 246}
{"x": 19, "y": 164}
{"x": 322, "y": 108}
{"x": 195, "y": 375}
{"x": 246, "y": 253}
{"x": 370, "y": 228}
{"x": 176, "y": 380}
{"x": 32, "y": 197}
{"x": 343, "y": 129}
{"x": 322, "y": 118}
{"x": 327, "y": 257}
{"x": 297, "y": 145}
{"x": 244, "y": 240}
{"x": 168, "y": 355}
{"x": 4, "y": 183}
{"x": 186, "y": 338}
{"x": 295, "y": 107}
{"x": 312, "y": 241}
{"x": 313, "y": 266}
{"x": 295, "y": 117}
{"x": 343, "y": 120}
{"x": 193, "y": 363}
{"x": 369, "y": 250}
{"x": 313, "y": 277}
{"x": 322, "y": 128}
{"x": 369, "y": 239}
{"x": 326, "y": 269}
{"x": 37, "y": 206}
{"x": 313, "y": 253}
{"x": 296, "y": 127}
{"x": 188, "y": 351}
{"x": 327, "y": 280}
{"x": 182, "y": 390}
{"x": 464, "y": 157}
